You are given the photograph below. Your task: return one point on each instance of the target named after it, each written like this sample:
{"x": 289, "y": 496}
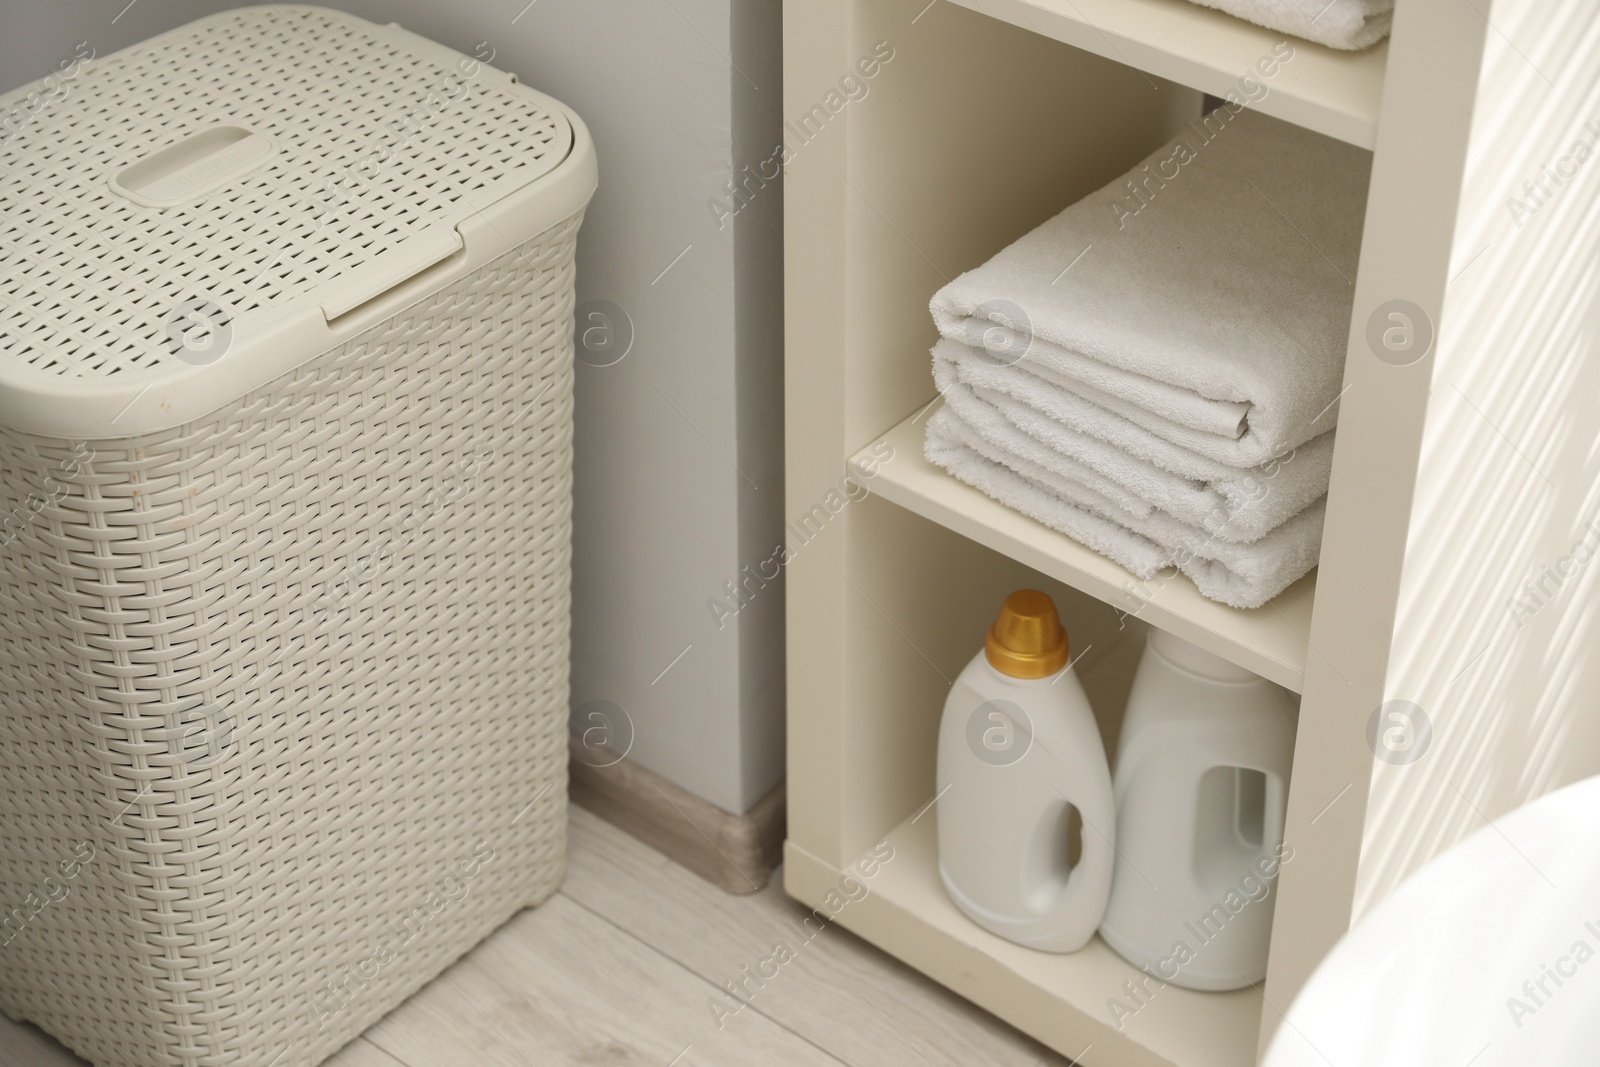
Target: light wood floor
{"x": 620, "y": 967}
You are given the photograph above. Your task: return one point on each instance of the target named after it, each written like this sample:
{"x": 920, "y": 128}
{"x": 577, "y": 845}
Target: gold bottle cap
{"x": 1027, "y": 640}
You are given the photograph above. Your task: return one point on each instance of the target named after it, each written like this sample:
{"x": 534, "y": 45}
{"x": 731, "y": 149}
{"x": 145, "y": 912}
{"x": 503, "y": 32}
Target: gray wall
{"x": 679, "y": 444}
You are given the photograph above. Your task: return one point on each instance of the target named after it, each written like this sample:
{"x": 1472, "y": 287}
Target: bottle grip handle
{"x": 1273, "y": 817}
{"x": 1095, "y": 854}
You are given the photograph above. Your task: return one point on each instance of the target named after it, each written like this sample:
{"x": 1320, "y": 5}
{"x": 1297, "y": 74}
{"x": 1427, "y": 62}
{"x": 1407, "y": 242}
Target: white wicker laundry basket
{"x": 285, "y": 440}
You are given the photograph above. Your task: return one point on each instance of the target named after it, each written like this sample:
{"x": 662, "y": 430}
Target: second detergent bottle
{"x": 1202, "y": 779}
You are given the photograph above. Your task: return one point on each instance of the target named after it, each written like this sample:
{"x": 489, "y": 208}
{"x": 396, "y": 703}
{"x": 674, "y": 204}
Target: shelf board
{"x": 1272, "y": 641}
{"x": 1333, "y": 92}
{"x": 1061, "y": 999}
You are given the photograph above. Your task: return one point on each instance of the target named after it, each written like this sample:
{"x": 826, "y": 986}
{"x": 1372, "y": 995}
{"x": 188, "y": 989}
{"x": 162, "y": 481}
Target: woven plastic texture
{"x": 285, "y": 689}
{"x": 375, "y": 141}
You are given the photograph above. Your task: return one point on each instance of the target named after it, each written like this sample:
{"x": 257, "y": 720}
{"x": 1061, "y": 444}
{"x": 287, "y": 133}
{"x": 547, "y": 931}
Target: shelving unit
{"x": 991, "y": 117}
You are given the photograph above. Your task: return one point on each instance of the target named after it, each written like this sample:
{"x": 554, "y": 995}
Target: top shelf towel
{"x": 1206, "y": 293}
{"x": 1346, "y": 24}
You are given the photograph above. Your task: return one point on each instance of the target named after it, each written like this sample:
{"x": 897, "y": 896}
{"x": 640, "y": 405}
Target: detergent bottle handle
{"x": 1090, "y": 878}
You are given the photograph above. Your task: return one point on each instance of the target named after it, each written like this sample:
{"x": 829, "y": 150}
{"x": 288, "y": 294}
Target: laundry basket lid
{"x": 185, "y": 220}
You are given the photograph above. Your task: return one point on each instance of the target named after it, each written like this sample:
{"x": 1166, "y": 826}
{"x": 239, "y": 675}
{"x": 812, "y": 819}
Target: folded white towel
{"x": 1206, "y": 294}
{"x": 1141, "y": 556}
{"x": 1019, "y": 414}
{"x": 1243, "y": 576}
{"x": 1335, "y": 23}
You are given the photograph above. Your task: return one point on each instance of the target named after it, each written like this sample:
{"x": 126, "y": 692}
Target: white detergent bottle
{"x": 1202, "y": 777}
{"x": 1018, "y": 752}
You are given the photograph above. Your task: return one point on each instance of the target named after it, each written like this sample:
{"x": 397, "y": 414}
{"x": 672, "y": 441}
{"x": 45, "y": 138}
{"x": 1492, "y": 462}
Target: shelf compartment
{"x": 1333, "y": 92}
{"x": 1060, "y": 999}
{"x": 1271, "y": 641}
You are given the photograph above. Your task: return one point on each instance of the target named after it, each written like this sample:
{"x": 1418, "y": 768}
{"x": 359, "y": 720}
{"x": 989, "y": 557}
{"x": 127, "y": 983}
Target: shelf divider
{"x": 1271, "y": 641}
{"x": 1333, "y": 92}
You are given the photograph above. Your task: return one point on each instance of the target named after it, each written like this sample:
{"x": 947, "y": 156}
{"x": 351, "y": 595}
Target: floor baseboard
{"x": 736, "y": 853}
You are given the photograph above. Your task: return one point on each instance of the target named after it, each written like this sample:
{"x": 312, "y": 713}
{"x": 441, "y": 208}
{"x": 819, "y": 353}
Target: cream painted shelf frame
{"x": 990, "y": 117}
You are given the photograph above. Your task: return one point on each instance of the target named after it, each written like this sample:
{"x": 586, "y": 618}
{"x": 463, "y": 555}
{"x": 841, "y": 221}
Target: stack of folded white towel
{"x": 1349, "y": 24}
{"x": 1155, "y": 372}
